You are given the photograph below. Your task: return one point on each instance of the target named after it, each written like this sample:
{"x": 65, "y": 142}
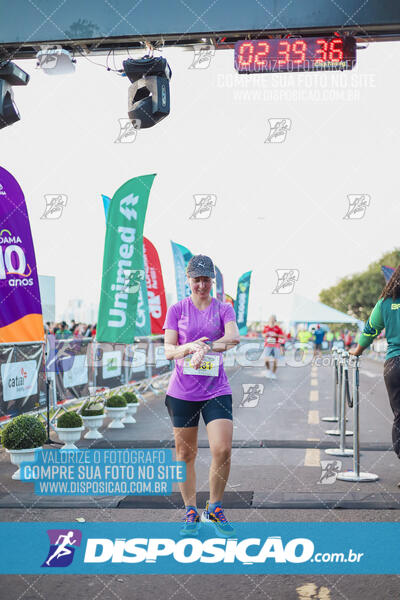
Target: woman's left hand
{"x": 197, "y": 358}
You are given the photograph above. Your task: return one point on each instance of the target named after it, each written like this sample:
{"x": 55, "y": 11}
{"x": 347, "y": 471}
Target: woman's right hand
{"x": 197, "y": 345}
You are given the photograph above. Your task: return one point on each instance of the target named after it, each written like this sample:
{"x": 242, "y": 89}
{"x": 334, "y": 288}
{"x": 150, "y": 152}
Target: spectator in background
{"x": 304, "y": 336}
{"x": 80, "y": 330}
{"x": 63, "y": 333}
{"x": 272, "y": 347}
{"x": 348, "y": 339}
{"x": 319, "y": 335}
{"x": 94, "y": 330}
{"x": 329, "y": 339}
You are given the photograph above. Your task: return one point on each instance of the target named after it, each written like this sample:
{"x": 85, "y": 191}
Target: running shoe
{"x": 273, "y": 376}
{"x": 192, "y": 523}
{"x": 220, "y": 523}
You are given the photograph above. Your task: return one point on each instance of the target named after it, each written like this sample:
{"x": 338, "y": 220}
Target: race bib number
{"x": 209, "y": 366}
{"x": 271, "y": 340}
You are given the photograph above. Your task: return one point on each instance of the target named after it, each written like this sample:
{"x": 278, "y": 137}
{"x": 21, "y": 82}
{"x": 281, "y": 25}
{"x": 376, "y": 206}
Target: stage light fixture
{"x": 54, "y": 60}
{"x": 10, "y": 75}
{"x": 148, "y": 94}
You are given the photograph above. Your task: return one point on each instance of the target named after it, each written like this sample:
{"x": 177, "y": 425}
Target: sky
{"x": 278, "y": 205}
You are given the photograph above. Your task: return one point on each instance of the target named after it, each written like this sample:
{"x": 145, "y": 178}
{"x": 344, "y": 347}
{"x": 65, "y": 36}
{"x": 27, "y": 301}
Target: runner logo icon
{"x": 202, "y": 56}
{"x": 133, "y": 277}
{"x": 203, "y": 205}
{"x": 62, "y": 547}
{"x": 251, "y": 394}
{"x": 286, "y": 280}
{"x": 357, "y": 206}
{"x": 127, "y": 130}
{"x": 278, "y": 129}
{"x": 55, "y": 204}
{"x": 329, "y": 471}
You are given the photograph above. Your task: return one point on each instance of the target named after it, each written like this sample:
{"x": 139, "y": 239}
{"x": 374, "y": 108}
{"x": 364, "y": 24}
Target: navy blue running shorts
{"x": 185, "y": 413}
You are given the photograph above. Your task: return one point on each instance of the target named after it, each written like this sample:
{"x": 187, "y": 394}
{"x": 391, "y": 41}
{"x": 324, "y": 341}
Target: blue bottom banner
{"x": 254, "y": 548}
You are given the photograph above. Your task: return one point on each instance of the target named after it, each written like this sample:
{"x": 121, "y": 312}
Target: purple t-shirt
{"x": 192, "y": 324}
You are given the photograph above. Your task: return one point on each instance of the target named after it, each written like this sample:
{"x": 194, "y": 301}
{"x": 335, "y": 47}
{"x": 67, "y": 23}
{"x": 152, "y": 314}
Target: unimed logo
{"x": 190, "y": 550}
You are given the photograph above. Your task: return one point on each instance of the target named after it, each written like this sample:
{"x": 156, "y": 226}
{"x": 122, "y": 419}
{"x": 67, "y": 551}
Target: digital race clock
{"x": 295, "y": 54}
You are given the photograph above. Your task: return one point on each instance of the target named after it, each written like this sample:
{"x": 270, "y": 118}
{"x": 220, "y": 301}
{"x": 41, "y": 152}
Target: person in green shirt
{"x": 304, "y": 336}
{"x": 386, "y": 314}
{"x": 329, "y": 339}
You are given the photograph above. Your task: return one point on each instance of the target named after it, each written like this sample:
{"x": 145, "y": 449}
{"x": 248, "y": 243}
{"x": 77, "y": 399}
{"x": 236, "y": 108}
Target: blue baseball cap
{"x": 201, "y": 266}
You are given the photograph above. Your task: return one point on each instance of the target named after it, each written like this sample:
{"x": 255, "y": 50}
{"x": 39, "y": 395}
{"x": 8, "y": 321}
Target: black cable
{"x": 99, "y": 64}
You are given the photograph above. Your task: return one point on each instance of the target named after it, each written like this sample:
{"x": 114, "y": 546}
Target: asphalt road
{"x": 276, "y": 476}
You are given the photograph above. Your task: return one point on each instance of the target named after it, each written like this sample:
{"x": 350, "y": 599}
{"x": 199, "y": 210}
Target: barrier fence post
{"x": 343, "y": 387}
{"x": 94, "y": 358}
{"x": 355, "y": 475}
{"x": 334, "y": 419}
{"x": 49, "y": 441}
{"x": 340, "y": 363}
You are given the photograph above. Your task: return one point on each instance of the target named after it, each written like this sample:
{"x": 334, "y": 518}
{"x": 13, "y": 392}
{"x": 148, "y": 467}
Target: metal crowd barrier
{"x": 335, "y": 380}
{"x": 343, "y": 389}
{"x": 149, "y": 379}
{"x": 342, "y": 398}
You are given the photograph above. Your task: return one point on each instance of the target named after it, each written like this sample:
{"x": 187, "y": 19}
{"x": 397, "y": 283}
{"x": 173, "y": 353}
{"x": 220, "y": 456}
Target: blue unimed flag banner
{"x": 219, "y": 285}
{"x": 181, "y": 259}
{"x": 242, "y": 302}
{"x": 387, "y": 272}
{"x": 106, "y": 204}
{"x": 123, "y": 266}
{"x": 143, "y": 326}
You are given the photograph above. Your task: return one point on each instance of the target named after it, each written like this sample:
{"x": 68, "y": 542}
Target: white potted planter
{"x": 21, "y": 437}
{"x": 116, "y": 409}
{"x": 132, "y": 404}
{"x": 69, "y": 429}
{"x": 132, "y": 408}
{"x": 91, "y": 420}
{"x": 116, "y": 414}
{"x": 17, "y": 457}
{"x": 93, "y": 424}
{"x": 69, "y": 435}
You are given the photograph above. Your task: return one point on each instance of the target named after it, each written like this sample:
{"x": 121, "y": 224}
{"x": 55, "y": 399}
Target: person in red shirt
{"x": 273, "y": 335}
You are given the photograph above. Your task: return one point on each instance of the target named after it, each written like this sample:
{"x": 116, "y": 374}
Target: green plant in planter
{"x": 131, "y": 398}
{"x": 69, "y": 420}
{"x": 92, "y": 408}
{"x": 116, "y": 402}
{"x": 23, "y": 432}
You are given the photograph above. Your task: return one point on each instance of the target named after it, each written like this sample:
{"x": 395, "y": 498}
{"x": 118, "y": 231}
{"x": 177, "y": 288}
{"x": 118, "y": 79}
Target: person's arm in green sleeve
{"x": 372, "y": 329}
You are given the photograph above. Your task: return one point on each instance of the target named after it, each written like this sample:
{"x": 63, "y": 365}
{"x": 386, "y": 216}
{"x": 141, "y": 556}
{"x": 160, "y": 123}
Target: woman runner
{"x": 197, "y": 330}
{"x": 386, "y": 314}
